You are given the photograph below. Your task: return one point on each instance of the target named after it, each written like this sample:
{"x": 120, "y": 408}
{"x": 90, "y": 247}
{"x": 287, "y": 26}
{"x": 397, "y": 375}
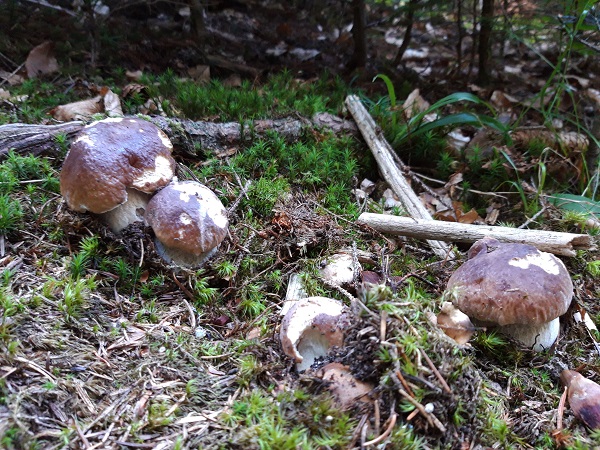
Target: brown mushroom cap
{"x": 188, "y": 220}
{"x": 509, "y": 284}
{"x": 584, "y": 397}
{"x": 113, "y": 155}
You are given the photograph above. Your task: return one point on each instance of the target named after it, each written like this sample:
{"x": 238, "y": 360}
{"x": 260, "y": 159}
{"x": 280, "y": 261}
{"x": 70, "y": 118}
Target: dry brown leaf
{"x": 81, "y": 110}
{"x": 568, "y": 140}
{"x": 131, "y": 89}
{"x": 134, "y": 75}
{"x": 455, "y": 323}
{"x": 41, "y": 60}
{"x": 414, "y": 104}
{"x": 112, "y": 104}
{"x": 12, "y": 79}
{"x": 4, "y": 95}
{"x": 502, "y": 100}
{"x": 233, "y": 80}
{"x": 583, "y": 316}
{"x": 200, "y": 73}
{"x": 594, "y": 95}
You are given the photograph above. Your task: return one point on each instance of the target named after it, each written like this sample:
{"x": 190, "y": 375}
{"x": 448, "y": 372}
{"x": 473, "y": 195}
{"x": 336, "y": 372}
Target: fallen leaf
{"x": 112, "y": 104}
{"x": 134, "y": 75}
{"x": 233, "y": 80}
{"x": 583, "y": 316}
{"x": 455, "y": 323}
{"x": 41, "y": 60}
{"x": 414, "y": 104}
{"x": 131, "y": 89}
{"x": 81, "y": 110}
{"x": 12, "y": 79}
{"x": 200, "y": 73}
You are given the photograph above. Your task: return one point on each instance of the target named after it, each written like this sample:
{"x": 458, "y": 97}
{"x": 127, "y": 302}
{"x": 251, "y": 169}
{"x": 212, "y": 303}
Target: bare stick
{"x": 391, "y": 173}
{"x": 555, "y": 242}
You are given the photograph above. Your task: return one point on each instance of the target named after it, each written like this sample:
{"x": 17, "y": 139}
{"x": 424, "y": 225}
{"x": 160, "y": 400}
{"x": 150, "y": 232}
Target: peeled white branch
{"x": 390, "y": 171}
{"x": 559, "y": 243}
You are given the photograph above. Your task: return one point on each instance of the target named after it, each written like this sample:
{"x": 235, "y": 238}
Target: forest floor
{"x": 104, "y": 345}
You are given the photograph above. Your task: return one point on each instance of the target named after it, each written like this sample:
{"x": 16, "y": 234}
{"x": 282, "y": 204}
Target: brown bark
{"x": 485, "y": 37}
{"x": 187, "y": 135}
{"x": 410, "y": 17}
{"x": 359, "y": 25}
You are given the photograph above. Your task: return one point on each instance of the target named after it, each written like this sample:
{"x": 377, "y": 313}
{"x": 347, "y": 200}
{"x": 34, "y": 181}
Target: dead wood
{"x": 559, "y": 243}
{"x": 188, "y": 136}
{"x": 34, "y": 139}
{"x": 390, "y": 171}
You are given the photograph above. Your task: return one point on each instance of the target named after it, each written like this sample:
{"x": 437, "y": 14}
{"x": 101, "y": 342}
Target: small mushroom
{"x": 113, "y": 167}
{"x": 339, "y": 270}
{"x": 584, "y": 397}
{"x": 516, "y": 287}
{"x": 455, "y": 323}
{"x": 311, "y": 327}
{"x": 344, "y": 387}
{"x": 189, "y": 222}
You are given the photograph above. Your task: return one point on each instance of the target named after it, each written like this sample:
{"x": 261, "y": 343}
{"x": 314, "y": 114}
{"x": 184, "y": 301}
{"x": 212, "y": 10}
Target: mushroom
{"x": 311, "y": 327}
{"x": 344, "y": 387}
{"x": 455, "y": 323}
{"x": 584, "y": 397}
{"x": 338, "y": 269}
{"x": 113, "y": 166}
{"x": 189, "y": 222}
{"x": 514, "y": 286}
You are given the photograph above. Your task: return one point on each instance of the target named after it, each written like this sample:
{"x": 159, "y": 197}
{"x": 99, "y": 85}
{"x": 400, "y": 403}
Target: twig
{"x": 386, "y": 433}
{"x": 11, "y": 74}
{"x": 243, "y": 193}
{"x": 561, "y": 410}
{"x": 533, "y": 218}
{"x": 433, "y": 421}
{"x": 86, "y": 443}
{"x": 436, "y": 372}
{"x": 192, "y": 314}
{"x": 382, "y": 151}
{"x": 185, "y": 290}
{"x": 556, "y": 242}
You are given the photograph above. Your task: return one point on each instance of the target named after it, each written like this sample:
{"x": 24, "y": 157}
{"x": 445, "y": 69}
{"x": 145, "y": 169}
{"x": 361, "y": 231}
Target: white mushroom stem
{"x": 538, "y": 337}
{"x": 127, "y": 213}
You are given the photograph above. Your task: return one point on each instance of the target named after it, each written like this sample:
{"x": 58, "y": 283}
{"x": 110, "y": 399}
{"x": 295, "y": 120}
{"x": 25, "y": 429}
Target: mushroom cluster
{"x": 515, "y": 287}
{"x": 114, "y": 166}
{"x": 122, "y": 170}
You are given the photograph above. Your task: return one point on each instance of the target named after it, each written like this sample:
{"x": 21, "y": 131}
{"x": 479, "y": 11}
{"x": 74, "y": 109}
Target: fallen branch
{"x": 391, "y": 173}
{"x": 34, "y": 139}
{"x": 555, "y": 242}
{"x": 188, "y": 136}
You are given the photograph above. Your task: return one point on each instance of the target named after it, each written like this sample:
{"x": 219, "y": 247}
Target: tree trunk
{"x": 410, "y": 16}
{"x": 485, "y": 36}
{"x": 359, "y": 59}
{"x": 222, "y": 139}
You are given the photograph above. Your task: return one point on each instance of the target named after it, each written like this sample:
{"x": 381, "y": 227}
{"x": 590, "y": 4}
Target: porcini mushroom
{"x": 516, "y": 287}
{"x": 584, "y": 397}
{"x": 311, "y": 327}
{"x": 189, "y": 222}
{"x": 112, "y": 168}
